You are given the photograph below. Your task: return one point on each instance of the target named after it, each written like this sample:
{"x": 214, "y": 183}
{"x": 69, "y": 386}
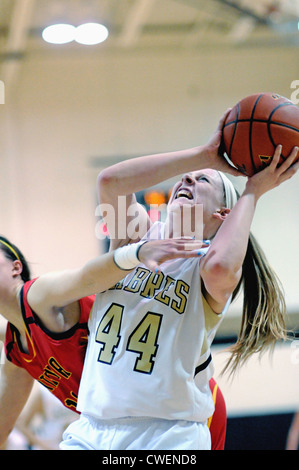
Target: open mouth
{"x": 184, "y": 193}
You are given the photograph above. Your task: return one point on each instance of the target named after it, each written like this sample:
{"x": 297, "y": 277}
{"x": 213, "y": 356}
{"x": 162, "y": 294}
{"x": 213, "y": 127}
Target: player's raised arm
{"x": 221, "y": 268}
{"x": 117, "y": 184}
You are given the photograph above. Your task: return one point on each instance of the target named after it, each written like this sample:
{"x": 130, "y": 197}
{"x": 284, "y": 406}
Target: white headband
{"x": 230, "y": 192}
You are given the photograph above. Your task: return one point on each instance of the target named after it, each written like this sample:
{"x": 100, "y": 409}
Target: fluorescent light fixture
{"x": 91, "y": 33}
{"x": 59, "y": 33}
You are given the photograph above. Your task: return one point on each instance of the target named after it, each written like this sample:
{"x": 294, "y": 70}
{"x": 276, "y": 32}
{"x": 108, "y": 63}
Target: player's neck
{"x": 207, "y": 231}
{"x": 10, "y": 306}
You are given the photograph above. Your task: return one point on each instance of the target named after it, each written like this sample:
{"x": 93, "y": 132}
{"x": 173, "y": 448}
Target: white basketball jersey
{"x": 149, "y": 346}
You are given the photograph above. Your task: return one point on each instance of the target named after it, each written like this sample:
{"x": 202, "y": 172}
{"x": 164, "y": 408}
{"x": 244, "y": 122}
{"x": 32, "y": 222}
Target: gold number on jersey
{"x": 143, "y": 340}
{"x": 108, "y": 332}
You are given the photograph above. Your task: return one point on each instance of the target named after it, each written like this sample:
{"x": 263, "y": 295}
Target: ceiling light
{"x": 91, "y": 33}
{"x": 59, "y": 33}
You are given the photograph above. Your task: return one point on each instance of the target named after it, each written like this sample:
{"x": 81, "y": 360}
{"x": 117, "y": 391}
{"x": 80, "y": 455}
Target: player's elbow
{"x": 215, "y": 269}
{"x": 222, "y": 274}
{"x": 106, "y": 180}
{"x": 105, "y": 177}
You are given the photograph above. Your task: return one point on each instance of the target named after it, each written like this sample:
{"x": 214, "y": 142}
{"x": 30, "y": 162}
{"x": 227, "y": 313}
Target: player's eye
{"x": 203, "y": 178}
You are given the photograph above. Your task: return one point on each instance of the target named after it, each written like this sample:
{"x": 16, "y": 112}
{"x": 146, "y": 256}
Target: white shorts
{"x": 88, "y": 433}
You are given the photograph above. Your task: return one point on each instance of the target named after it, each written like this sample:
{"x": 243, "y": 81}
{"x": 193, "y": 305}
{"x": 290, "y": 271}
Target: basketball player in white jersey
{"x": 145, "y": 382}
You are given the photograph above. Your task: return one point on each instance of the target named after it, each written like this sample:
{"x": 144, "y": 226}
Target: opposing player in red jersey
{"x": 47, "y": 332}
{"x": 53, "y": 359}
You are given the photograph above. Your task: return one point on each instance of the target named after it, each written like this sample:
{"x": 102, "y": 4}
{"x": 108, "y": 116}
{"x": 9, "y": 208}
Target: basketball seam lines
{"x": 269, "y": 123}
{"x": 234, "y": 132}
{"x": 250, "y": 129}
{"x": 251, "y": 120}
{"x": 282, "y": 125}
{"x": 265, "y": 121}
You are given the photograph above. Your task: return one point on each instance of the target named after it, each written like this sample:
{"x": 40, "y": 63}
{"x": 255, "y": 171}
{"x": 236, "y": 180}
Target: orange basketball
{"x": 254, "y": 128}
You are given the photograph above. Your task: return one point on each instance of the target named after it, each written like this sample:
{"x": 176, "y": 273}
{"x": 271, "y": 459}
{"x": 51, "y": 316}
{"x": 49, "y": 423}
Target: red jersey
{"x": 217, "y": 422}
{"x": 54, "y": 359}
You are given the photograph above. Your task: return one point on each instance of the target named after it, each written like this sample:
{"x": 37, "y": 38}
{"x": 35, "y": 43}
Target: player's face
{"x": 200, "y": 187}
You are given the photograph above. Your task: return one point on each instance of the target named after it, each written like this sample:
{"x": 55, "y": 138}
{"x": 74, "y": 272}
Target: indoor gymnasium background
{"x": 160, "y": 82}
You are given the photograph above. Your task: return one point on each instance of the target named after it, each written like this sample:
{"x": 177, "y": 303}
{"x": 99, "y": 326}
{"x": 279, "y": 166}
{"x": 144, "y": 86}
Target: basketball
{"x": 254, "y": 128}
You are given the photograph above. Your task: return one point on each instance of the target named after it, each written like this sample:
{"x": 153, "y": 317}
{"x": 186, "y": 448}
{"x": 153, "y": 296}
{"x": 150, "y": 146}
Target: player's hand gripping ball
{"x": 256, "y": 126}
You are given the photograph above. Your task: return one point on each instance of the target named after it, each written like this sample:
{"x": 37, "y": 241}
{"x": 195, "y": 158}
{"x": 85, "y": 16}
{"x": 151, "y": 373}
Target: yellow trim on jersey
{"x": 211, "y": 320}
{"x": 31, "y": 343}
{"x": 32, "y": 346}
{"x": 214, "y": 400}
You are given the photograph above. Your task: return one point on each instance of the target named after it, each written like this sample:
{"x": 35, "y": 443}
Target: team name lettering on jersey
{"x": 165, "y": 289}
{"x": 52, "y": 374}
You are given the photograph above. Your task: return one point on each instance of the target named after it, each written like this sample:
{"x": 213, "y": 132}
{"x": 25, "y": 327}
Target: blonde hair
{"x": 264, "y": 308}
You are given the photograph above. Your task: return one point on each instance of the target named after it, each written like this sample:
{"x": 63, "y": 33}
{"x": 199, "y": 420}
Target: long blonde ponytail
{"x": 264, "y": 308}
